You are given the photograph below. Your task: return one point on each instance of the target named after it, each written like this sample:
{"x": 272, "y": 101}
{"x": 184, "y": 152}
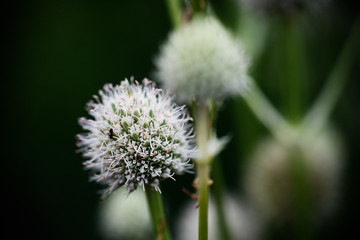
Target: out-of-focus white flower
{"x": 269, "y": 180}
{"x": 202, "y": 60}
{"x": 242, "y": 222}
{"x": 137, "y": 137}
{"x": 125, "y": 217}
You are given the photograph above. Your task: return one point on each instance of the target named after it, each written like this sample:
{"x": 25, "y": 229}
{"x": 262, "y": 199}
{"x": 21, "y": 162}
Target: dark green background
{"x": 59, "y": 53}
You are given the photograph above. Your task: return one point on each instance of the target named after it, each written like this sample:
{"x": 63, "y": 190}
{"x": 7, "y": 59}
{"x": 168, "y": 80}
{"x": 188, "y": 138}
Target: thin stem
{"x": 157, "y": 213}
{"x": 203, "y": 126}
{"x": 254, "y": 32}
{"x": 303, "y": 225}
{"x": 295, "y": 68}
{"x": 219, "y": 200}
{"x": 198, "y": 5}
{"x": 174, "y": 10}
{"x": 320, "y": 111}
{"x": 266, "y": 113}
{"x": 203, "y": 192}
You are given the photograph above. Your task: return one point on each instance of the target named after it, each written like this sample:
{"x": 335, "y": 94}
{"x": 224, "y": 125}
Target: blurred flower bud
{"x": 122, "y": 217}
{"x": 270, "y": 182}
{"x": 202, "y": 60}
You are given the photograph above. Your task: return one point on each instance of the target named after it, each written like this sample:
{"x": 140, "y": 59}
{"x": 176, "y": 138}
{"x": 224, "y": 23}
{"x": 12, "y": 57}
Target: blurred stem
{"x": 174, "y": 10}
{"x": 320, "y": 111}
{"x": 203, "y": 193}
{"x": 294, "y": 67}
{"x": 202, "y": 128}
{"x": 303, "y": 225}
{"x": 157, "y": 213}
{"x": 254, "y": 31}
{"x": 266, "y": 113}
{"x": 198, "y": 5}
{"x": 218, "y": 193}
{"x": 218, "y": 187}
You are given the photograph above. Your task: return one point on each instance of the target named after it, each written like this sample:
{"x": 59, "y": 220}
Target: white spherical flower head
{"x": 202, "y": 60}
{"x": 270, "y": 183}
{"x": 137, "y": 137}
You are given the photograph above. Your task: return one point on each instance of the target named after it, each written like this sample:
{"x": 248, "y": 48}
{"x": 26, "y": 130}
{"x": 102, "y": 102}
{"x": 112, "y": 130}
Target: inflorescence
{"x": 201, "y": 61}
{"x": 137, "y": 137}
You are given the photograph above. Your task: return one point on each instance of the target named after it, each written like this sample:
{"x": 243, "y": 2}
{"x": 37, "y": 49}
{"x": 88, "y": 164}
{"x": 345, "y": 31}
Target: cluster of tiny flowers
{"x": 202, "y": 60}
{"x": 137, "y": 137}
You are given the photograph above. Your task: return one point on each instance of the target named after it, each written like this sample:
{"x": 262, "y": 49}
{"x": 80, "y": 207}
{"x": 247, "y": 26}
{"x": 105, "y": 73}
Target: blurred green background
{"x": 59, "y": 53}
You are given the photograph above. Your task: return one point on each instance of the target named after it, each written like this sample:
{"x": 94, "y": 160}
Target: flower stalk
{"x": 198, "y": 5}
{"x": 302, "y": 195}
{"x": 266, "y": 113}
{"x": 218, "y": 190}
{"x": 203, "y": 171}
{"x": 320, "y": 111}
{"x": 157, "y": 213}
{"x": 295, "y": 69}
{"x": 174, "y": 9}
{"x": 203, "y": 126}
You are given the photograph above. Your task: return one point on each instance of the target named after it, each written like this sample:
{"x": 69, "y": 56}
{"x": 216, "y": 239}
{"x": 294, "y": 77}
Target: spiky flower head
{"x": 202, "y": 60}
{"x": 270, "y": 182}
{"x": 137, "y": 137}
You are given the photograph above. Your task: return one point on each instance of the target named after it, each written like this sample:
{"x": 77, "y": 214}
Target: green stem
{"x": 174, "y": 10}
{"x": 218, "y": 194}
{"x": 203, "y": 171}
{"x": 218, "y": 187}
{"x": 198, "y": 5}
{"x": 203, "y": 126}
{"x": 320, "y": 111}
{"x": 157, "y": 213}
{"x": 295, "y": 68}
{"x": 303, "y": 225}
{"x": 254, "y": 32}
{"x": 266, "y": 113}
